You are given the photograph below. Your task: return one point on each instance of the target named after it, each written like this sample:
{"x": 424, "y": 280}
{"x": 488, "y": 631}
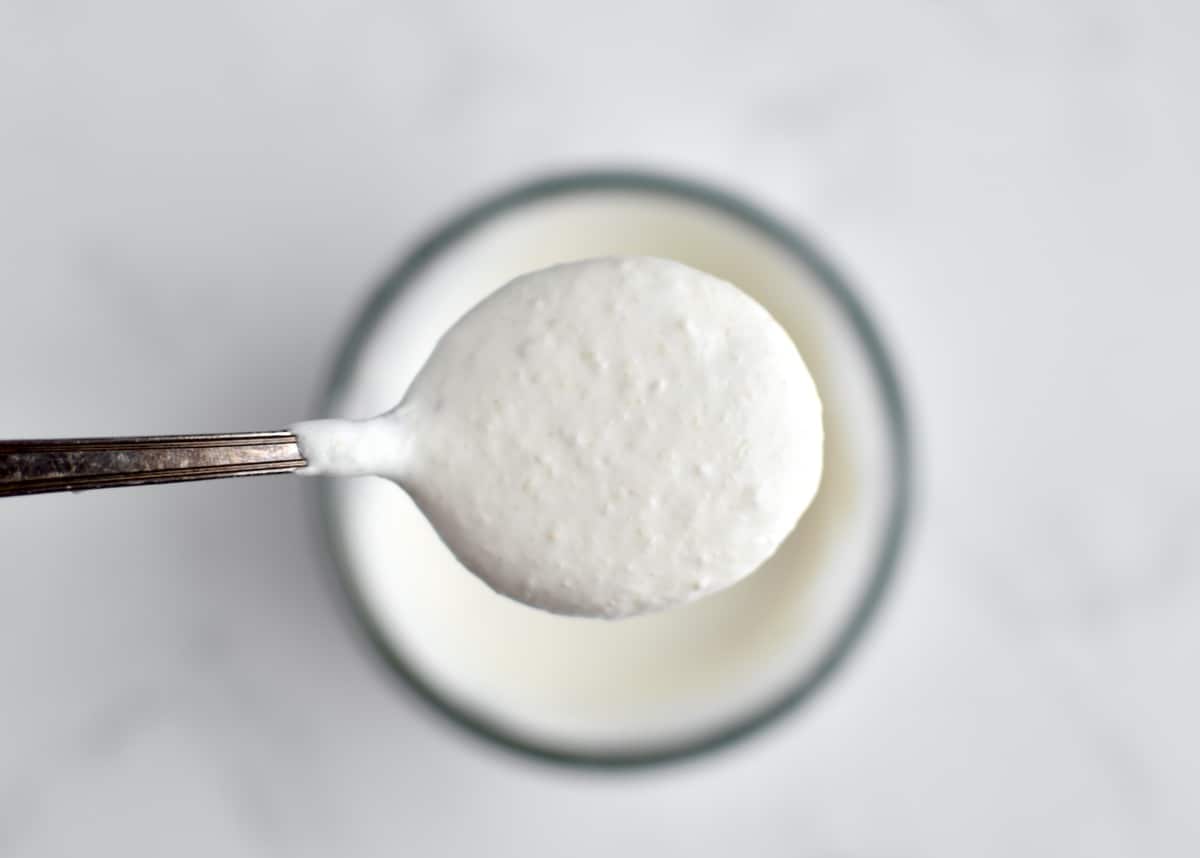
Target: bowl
{"x": 656, "y": 688}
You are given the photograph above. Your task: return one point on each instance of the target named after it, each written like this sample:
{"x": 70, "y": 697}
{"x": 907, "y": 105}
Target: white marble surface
{"x": 195, "y": 197}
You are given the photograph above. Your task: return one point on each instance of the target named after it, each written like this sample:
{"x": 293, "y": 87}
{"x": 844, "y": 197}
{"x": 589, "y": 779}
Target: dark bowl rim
{"x": 890, "y": 390}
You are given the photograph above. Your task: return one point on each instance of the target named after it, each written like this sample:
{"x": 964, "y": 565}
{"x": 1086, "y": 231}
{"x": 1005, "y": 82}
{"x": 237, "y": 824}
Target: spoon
{"x": 600, "y": 438}
{"x": 79, "y": 464}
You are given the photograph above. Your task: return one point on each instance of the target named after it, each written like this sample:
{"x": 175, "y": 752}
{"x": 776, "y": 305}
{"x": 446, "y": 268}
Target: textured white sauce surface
{"x": 601, "y": 438}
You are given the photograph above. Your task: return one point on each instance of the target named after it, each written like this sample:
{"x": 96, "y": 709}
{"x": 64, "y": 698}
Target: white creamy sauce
{"x": 653, "y": 682}
{"x": 601, "y": 438}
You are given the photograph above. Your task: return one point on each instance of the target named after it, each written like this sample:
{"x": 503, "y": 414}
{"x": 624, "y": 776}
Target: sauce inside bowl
{"x": 656, "y": 684}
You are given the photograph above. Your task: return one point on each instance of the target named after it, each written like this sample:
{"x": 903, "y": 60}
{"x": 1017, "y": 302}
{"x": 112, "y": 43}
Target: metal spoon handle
{"x": 78, "y": 464}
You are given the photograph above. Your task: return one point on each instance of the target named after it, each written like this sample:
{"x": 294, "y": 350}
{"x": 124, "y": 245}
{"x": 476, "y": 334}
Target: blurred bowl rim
{"x": 895, "y": 526}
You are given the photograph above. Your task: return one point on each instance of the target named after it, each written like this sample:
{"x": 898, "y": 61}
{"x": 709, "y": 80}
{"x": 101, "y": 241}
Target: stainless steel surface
{"x": 79, "y": 464}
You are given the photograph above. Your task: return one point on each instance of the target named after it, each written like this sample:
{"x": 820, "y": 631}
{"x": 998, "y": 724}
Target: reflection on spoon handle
{"x": 79, "y": 464}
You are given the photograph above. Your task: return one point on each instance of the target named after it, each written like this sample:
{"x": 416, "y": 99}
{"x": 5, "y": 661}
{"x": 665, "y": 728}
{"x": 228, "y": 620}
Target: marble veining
{"x": 1013, "y": 185}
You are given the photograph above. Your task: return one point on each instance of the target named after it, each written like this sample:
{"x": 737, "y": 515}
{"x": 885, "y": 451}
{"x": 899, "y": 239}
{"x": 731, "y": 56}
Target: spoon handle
{"x": 78, "y": 464}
